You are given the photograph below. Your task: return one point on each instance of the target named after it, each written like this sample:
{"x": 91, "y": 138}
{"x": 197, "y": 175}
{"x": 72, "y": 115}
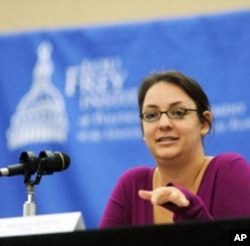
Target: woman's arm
{"x": 178, "y": 200}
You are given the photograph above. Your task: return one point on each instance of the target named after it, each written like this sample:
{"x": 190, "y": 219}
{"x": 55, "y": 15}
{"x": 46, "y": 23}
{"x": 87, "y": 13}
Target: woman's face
{"x": 169, "y": 138}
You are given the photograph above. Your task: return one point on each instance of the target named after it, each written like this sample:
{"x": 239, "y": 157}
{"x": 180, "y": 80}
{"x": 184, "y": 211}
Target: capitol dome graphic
{"x": 41, "y": 114}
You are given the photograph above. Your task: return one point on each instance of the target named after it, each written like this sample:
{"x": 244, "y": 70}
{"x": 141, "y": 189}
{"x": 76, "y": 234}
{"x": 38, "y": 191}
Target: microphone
{"x": 52, "y": 162}
{"x": 28, "y": 164}
{"x": 47, "y": 163}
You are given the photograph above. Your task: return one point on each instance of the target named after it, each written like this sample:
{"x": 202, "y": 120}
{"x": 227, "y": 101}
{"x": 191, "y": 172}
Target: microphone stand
{"x": 29, "y": 206}
{"x": 32, "y": 164}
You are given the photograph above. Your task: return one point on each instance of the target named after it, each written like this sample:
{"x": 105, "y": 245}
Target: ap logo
{"x": 240, "y": 238}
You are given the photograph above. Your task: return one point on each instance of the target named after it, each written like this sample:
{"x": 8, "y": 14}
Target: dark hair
{"x": 187, "y": 84}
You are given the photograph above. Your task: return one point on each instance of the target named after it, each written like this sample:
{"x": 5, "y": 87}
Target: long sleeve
{"x": 196, "y": 210}
{"x": 124, "y": 206}
{"x": 223, "y": 193}
{"x": 231, "y": 190}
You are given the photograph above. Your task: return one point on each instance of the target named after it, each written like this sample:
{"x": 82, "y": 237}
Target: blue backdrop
{"x": 75, "y": 91}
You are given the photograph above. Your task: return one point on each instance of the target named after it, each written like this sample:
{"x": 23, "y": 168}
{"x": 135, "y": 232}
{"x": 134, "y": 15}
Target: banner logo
{"x": 107, "y": 109}
{"x": 41, "y": 114}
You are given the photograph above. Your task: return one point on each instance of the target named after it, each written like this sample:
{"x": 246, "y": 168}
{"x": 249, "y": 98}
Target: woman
{"x": 186, "y": 184}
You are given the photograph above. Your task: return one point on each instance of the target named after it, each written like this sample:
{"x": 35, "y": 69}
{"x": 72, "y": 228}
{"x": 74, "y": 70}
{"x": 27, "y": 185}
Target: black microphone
{"x": 28, "y": 164}
{"x": 52, "y": 162}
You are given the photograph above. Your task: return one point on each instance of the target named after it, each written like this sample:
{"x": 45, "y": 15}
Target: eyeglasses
{"x": 172, "y": 113}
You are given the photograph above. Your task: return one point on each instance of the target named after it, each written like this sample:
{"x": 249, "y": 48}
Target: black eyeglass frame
{"x": 185, "y": 110}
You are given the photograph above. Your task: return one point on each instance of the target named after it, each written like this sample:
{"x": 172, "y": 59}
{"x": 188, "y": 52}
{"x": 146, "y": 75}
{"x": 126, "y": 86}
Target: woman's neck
{"x": 183, "y": 172}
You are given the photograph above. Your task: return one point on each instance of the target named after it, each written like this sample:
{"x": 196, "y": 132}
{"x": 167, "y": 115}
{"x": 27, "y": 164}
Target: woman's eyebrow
{"x": 170, "y": 105}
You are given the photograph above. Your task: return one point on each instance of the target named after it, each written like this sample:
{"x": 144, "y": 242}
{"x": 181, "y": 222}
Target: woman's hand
{"x": 165, "y": 194}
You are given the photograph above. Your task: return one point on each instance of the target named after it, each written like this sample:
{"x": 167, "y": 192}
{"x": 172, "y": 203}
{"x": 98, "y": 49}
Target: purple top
{"x": 224, "y": 192}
